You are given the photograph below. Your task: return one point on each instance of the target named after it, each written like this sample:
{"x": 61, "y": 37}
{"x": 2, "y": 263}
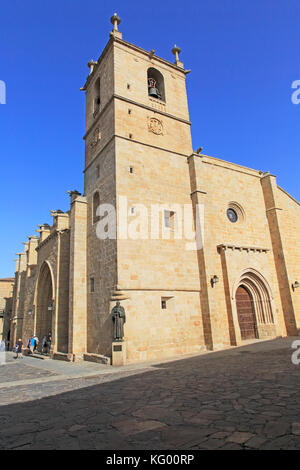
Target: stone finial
{"x": 91, "y": 65}
{"x": 176, "y": 51}
{"x": 115, "y": 20}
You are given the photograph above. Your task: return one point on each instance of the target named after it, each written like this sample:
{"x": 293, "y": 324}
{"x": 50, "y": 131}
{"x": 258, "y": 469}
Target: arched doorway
{"x": 246, "y": 314}
{"x": 44, "y": 307}
{"x": 254, "y": 306}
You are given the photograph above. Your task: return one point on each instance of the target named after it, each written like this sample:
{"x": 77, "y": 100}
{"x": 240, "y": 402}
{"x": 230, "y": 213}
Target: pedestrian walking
{"x": 36, "y": 342}
{"x": 31, "y": 344}
{"x": 18, "y": 348}
{"x": 44, "y": 345}
{"x": 49, "y": 339}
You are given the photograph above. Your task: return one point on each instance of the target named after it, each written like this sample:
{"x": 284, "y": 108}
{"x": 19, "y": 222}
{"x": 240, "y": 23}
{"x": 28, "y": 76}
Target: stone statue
{"x": 119, "y": 318}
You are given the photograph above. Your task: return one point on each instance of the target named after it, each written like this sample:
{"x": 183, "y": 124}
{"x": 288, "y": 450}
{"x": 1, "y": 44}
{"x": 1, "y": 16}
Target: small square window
{"x": 167, "y": 303}
{"x": 169, "y": 217}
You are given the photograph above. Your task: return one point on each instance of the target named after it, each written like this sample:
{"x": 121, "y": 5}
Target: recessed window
{"x": 167, "y": 302}
{"x": 92, "y": 285}
{"x": 97, "y": 171}
{"x": 232, "y": 215}
{"x": 169, "y": 217}
{"x": 132, "y": 211}
{"x": 130, "y": 136}
{"x": 97, "y": 96}
{"x": 128, "y": 86}
{"x": 96, "y": 204}
{"x": 131, "y": 169}
{"x": 129, "y": 111}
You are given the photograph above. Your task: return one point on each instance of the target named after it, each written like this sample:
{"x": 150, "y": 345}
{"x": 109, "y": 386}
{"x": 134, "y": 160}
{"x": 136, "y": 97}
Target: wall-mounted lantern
{"x": 214, "y": 280}
{"x": 295, "y": 285}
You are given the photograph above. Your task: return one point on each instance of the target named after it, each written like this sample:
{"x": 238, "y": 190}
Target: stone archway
{"x": 44, "y": 304}
{"x": 254, "y": 310}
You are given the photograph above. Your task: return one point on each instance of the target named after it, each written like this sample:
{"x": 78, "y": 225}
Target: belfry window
{"x": 97, "y": 96}
{"x": 156, "y": 86}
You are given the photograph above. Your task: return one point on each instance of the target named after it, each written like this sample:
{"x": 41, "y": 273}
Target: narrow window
{"x": 92, "y": 285}
{"x": 163, "y": 304}
{"x": 97, "y": 171}
{"x": 131, "y": 169}
{"x": 96, "y": 204}
{"x": 97, "y": 96}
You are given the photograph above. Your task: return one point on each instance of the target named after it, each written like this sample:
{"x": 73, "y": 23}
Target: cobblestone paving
{"x": 243, "y": 398}
{"x": 12, "y": 372}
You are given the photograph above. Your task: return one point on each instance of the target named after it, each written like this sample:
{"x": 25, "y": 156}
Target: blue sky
{"x": 244, "y": 56}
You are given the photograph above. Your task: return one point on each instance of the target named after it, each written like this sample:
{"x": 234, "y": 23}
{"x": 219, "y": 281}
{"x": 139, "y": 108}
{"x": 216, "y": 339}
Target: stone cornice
{"x": 135, "y": 103}
{"x": 274, "y": 209}
{"x": 255, "y": 249}
{"x": 149, "y": 108}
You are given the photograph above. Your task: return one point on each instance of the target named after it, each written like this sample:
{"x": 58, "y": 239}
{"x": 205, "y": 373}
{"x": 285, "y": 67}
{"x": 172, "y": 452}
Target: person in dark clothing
{"x": 19, "y": 348}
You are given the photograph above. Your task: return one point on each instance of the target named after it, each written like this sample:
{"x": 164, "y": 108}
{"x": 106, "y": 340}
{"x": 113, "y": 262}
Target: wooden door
{"x": 246, "y": 315}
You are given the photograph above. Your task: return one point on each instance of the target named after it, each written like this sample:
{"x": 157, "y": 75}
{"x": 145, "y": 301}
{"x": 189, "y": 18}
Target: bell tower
{"x": 137, "y": 140}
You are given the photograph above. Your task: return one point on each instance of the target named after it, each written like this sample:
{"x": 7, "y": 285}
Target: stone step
{"x": 36, "y": 355}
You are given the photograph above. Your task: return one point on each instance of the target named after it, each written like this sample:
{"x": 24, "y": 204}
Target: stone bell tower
{"x": 137, "y": 140}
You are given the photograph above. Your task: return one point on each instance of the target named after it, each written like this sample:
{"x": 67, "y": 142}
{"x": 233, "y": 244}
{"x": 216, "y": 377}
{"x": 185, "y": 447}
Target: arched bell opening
{"x": 156, "y": 85}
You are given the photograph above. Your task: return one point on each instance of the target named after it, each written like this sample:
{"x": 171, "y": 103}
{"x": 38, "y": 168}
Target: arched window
{"x": 96, "y": 204}
{"x": 156, "y": 85}
{"x": 97, "y": 96}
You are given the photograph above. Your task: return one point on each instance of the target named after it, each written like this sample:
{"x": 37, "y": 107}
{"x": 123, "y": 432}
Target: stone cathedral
{"x": 239, "y": 284}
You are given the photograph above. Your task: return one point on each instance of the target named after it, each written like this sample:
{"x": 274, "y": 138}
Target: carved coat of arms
{"x": 155, "y": 126}
{"x": 95, "y": 137}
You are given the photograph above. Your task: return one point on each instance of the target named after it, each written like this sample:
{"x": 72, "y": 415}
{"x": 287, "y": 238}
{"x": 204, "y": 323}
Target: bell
{"x": 152, "y": 91}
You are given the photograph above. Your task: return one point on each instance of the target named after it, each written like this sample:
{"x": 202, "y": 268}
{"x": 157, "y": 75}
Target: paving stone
{"x": 240, "y": 437}
{"x": 296, "y": 429}
{"x": 255, "y": 442}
